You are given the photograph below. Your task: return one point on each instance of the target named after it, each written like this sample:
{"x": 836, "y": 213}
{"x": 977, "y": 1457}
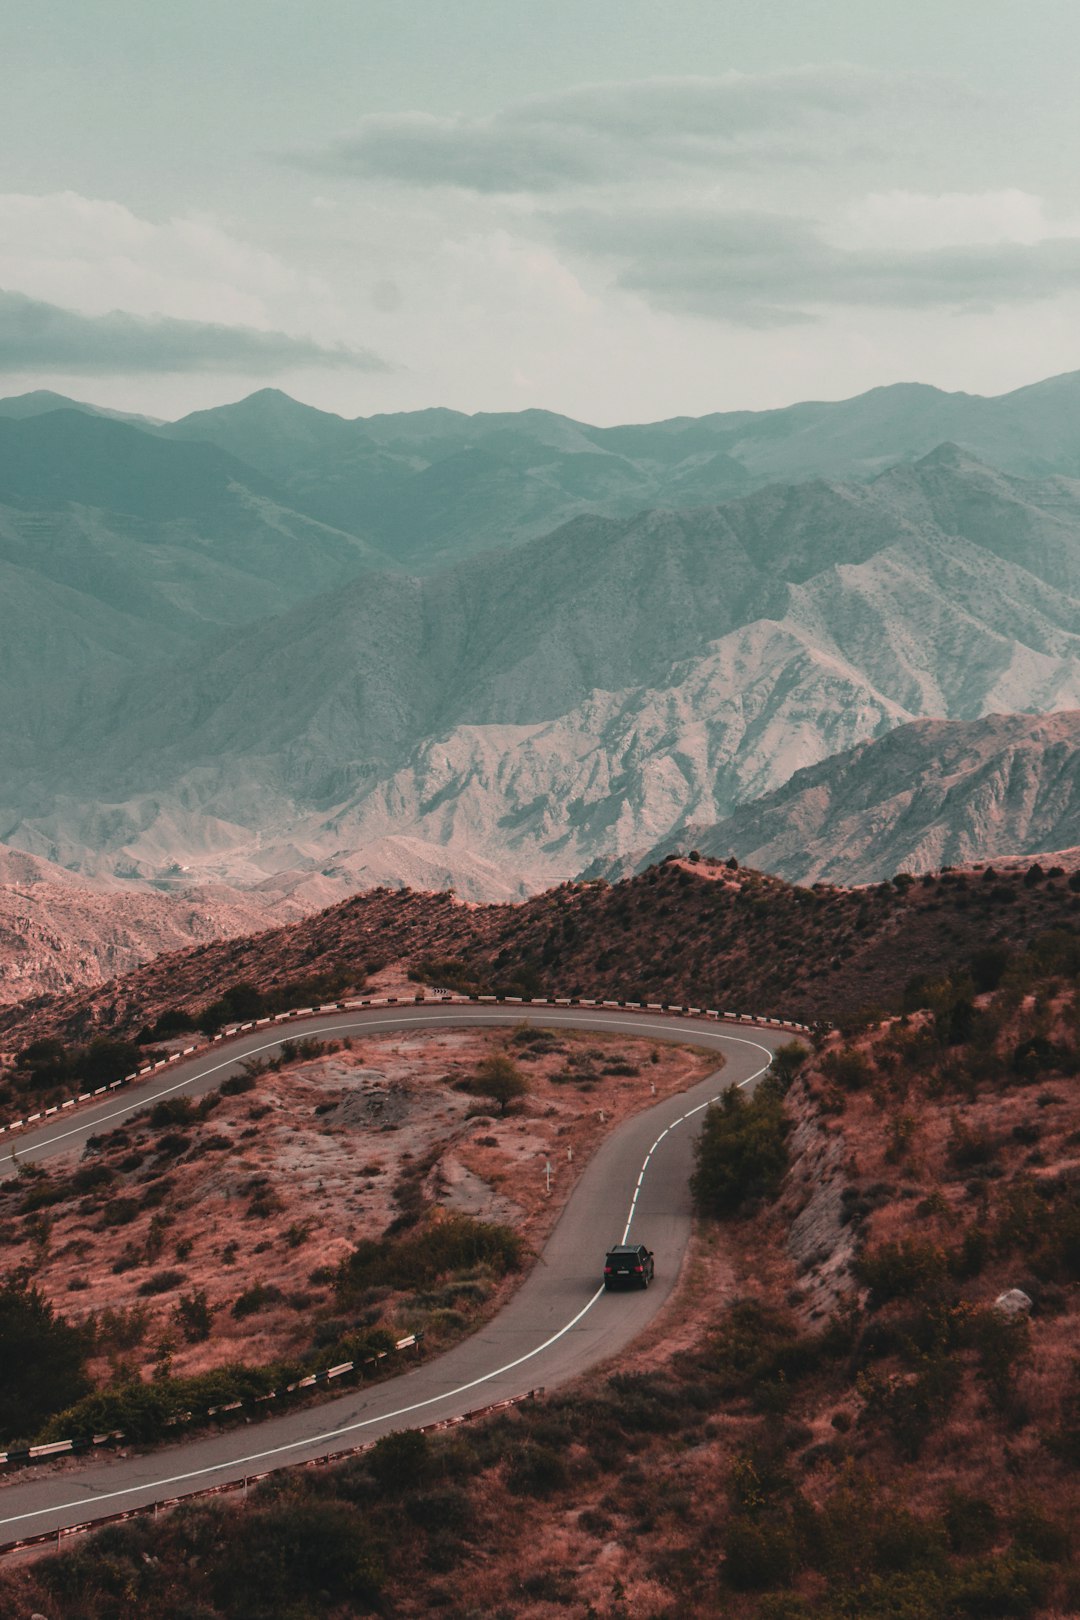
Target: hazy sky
{"x": 610, "y": 208}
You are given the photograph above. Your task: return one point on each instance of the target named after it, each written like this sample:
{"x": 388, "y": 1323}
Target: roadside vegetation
{"x": 848, "y": 1425}
{"x": 690, "y": 932}
{"x": 211, "y": 1250}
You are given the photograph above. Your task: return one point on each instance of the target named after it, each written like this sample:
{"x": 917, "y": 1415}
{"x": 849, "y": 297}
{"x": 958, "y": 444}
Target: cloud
{"x": 625, "y": 132}
{"x": 915, "y": 219}
{"x": 761, "y": 269}
{"x": 41, "y": 337}
{"x": 95, "y": 255}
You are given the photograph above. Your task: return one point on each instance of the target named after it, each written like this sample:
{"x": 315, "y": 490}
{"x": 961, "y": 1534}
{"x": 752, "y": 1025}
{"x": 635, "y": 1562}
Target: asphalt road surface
{"x": 558, "y": 1323}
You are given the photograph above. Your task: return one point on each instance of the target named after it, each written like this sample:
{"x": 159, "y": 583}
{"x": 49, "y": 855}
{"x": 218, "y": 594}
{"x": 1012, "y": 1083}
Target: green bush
{"x": 426, "y": 1254}
{"x": 49, "y": 1065}
{"x": 759, "y": 1553}
{"x": 236, "y": 1084}
{"x": 296, "y": 1548}
{"x": 849, "y": 1067}
{"x": 42, "y": 1360}
{"x": 195, "y": 1315}
{"x": 909, "y": 1269}
{"x": 259, "y": 1297}
{"x": 535, "y": 1470}
{"x": 400, "y": 1460}
{"x": 141, "y": 1411}
{"x": 755, "y": 1346}
{"x": 162, "y": 1282}
{"x": 499, "y": 1079}
{"x": 911, "y": 1407}
{"x": 742, "y": 1150}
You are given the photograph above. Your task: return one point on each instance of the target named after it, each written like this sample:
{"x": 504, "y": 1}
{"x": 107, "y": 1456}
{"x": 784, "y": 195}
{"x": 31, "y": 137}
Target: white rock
{"x": 1014, "y": 1302}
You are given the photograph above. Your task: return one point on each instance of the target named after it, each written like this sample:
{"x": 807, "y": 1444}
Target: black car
{"x": 628, "y": 1265}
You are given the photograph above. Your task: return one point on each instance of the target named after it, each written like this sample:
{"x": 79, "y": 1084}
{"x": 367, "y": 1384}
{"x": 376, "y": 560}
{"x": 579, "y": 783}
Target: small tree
{"x": 499, "y": 1078}
{"x": 742, "y": 1150}
{"x": 42, "y": 1360}
{"x": 787, "y": 1060}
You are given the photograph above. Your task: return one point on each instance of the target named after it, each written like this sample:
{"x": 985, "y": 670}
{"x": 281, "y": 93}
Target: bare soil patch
{"x": 250, "y": 1208}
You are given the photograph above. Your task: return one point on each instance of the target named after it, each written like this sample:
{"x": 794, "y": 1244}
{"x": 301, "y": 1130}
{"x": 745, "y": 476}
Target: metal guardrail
{"x": 83, "y": 1443}
{"x": 56, "y": 1538}
{"x": 232, "y": 1030}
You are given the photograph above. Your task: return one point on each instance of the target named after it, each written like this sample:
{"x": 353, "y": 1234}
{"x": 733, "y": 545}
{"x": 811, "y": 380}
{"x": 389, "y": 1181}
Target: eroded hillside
{"x": 690, "y": 932}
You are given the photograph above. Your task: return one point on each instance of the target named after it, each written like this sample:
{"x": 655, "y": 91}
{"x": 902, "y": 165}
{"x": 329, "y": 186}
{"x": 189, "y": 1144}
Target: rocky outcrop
{"x": 820, "y": 1239}
{"x": 929, "y": 794}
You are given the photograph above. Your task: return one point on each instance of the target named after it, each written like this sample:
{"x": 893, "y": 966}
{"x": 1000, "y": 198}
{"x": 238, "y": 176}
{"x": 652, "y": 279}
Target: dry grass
{"x": 279, "y": 1183}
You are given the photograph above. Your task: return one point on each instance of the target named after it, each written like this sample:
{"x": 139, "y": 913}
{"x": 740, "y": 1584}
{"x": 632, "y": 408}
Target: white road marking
{"x": 433, "y": 1400}
{"x": 314, "y": 1439}
{"x": 392, "y": 1023}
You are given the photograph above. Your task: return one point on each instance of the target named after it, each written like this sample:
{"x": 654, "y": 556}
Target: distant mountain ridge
{"x": 511, "y": 719}
{"x": 438, "y": 686}
{"x": 429, "y": 487}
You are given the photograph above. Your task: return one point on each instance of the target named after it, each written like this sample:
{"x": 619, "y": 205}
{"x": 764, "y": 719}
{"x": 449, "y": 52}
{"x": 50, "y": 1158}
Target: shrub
{"x": 400, "y": 1460}
{"x": 1034, "y": 1057}
{"x": 742, "y": 1150}
{"x": 849, "y": 1068}
{"x": 236, "y": 1084}
{"x": 756, "y": 1346}
{"x": 141, "y": 1411}
{"x": 909, "y": 1269}
{"x": 259, "y": 1297}
{"x": 120, "y": 1329}
{"x": 970, "y": 1523}
{"x": 759, "y": 1554}
{"x": 421, "y": 1257}
{"x": 787, "y": 1060}
{"x": 195, "y": 1316}
{"x": 172, "y": 1111}
{"x": 42, "y": 1359}
{"x": 500, "y": 1079}
{"x": 535, "y": 1470}
{"x": 162, "y": 1282}
{"x": 913, "y": 1405}
{"x": 297, "y": 1547}
{"x": 988, "y": 965}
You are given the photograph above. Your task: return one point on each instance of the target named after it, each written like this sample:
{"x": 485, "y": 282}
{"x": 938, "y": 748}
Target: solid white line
{"x": 462, "y": 1389}
{"x": 313, "y": 1439}
{"x": 392, "y": 1023}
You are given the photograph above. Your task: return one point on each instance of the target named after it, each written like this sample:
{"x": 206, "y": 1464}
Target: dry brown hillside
{"x": 684, "y": 931}
{"x": 837, "y": 1416}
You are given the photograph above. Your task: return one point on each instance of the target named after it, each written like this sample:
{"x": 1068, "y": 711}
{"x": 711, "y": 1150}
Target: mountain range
{"x": 491, "y": 651}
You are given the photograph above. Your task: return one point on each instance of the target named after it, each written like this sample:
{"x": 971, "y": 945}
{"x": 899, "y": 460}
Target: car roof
{"x": 625, "y": 1248}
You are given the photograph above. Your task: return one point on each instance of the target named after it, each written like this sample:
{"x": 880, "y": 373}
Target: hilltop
{"x": 688, "y": 932}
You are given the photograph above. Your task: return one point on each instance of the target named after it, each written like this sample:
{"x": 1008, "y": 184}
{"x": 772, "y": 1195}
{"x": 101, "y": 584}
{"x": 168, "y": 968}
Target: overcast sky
{"x": 614, "y": 209}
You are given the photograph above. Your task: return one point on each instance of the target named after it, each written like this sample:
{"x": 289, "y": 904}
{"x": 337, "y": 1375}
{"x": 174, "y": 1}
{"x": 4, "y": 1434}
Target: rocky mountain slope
{"x": 931, "y": 793}
{"x": 512, "y": 719}
{"x": 865, "y": 1403}
{"x": 199, "y": 671}
{"x": 119, "y": 551}
{"x": 60, "y": 932}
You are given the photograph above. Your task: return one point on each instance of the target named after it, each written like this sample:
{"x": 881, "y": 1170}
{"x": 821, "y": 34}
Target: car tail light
{"x": 608, "y": 1270}
{"x": 639, "y": 1268}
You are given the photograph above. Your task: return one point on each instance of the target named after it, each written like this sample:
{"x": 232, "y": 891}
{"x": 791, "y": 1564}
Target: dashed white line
{"x": 462, "y": 1389}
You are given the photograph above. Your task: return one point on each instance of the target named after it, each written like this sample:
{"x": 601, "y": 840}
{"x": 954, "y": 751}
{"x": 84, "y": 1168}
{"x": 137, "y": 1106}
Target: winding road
{"x": 557, "y": 1324}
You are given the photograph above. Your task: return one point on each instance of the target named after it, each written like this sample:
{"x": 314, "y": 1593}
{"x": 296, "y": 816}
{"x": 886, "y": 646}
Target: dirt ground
{"x": 276, "y": 1185}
